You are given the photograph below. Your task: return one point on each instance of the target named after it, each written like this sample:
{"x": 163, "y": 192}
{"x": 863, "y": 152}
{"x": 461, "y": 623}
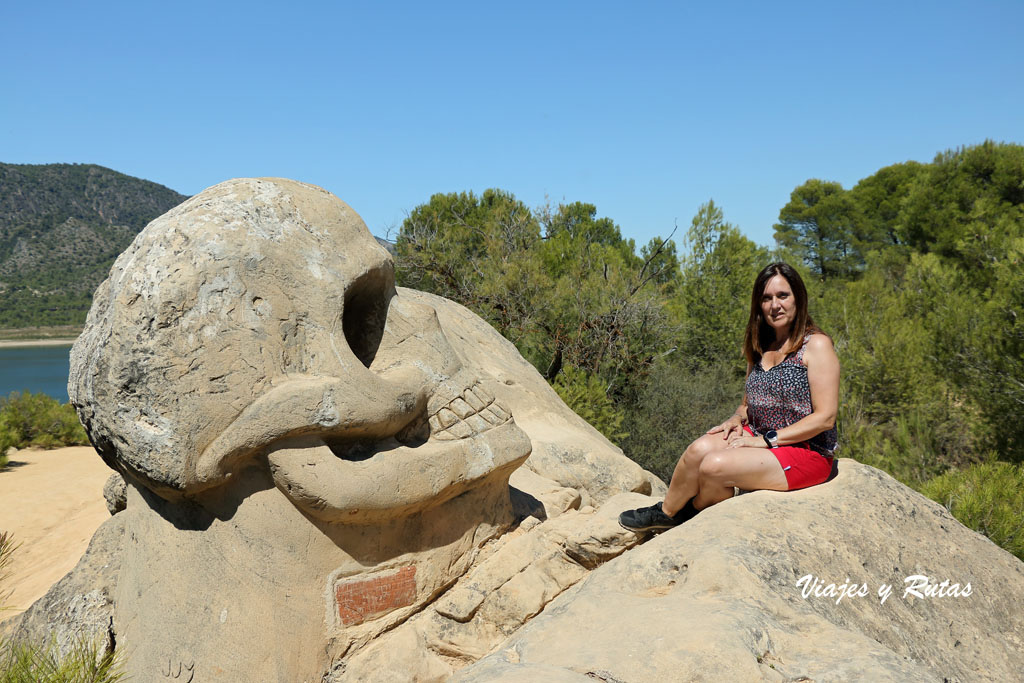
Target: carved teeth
{"x": 475, "y": 403}
{"x": 461, "y": 408}
{"x": 461, "y": 430}
{"x": 482, "y": 394}
{"x": 473, "y": 412}
{"x": 478, "y": 423}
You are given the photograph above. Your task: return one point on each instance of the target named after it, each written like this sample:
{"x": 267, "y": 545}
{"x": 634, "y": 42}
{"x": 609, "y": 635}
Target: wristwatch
{"x": 771, "y": 438}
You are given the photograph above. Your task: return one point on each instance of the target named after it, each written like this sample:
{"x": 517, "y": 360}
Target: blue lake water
{"x": 35, "y": 369}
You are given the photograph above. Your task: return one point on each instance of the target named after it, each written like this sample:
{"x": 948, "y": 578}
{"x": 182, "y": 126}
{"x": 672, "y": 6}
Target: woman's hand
{"x": 747, "y": 441}
{"x": 730, "y": 429}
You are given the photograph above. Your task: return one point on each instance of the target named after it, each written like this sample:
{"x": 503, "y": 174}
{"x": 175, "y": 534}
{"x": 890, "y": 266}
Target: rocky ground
{"x": 788, "y": 587}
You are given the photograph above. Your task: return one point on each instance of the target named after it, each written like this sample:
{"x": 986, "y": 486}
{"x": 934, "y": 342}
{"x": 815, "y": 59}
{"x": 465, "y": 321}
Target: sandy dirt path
{"x": 51, "y": 502}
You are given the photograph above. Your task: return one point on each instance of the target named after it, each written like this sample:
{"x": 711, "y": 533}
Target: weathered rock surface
{"x": 79, "y": 607}
{"x": 717, "y": 599}
{"x": 115, "y": 493}
{"x": 512, "y": 581}
{"x": 537, "y": 496}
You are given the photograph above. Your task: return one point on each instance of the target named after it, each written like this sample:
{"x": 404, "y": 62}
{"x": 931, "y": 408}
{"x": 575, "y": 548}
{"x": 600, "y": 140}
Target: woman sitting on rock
{"x": 783, "y": 435}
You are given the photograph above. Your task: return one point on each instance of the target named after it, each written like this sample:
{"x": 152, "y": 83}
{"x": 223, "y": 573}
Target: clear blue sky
{"x": 645, "y": 109}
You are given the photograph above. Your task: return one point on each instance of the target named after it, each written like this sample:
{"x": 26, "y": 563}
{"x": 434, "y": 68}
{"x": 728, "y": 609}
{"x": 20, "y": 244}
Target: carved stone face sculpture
{"x": 308, "y": 459}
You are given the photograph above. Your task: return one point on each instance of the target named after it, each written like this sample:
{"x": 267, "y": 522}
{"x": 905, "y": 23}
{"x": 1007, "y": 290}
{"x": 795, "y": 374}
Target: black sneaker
{"x": 650, "y": 519}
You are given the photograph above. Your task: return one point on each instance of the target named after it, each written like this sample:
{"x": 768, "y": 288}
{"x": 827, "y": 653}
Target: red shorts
{"x": 802, "y": 466}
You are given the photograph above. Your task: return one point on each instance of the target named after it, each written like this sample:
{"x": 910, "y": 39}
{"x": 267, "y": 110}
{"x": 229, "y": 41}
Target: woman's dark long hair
{"x": 759, "y": 334}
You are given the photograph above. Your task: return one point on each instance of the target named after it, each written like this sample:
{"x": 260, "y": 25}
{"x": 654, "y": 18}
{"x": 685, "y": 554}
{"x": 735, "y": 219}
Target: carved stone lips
{"x": 395, "y": 482}
{"x": 471, "y": 439}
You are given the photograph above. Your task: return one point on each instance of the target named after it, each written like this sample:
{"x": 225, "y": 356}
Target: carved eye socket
{"x": 365, "y": 312}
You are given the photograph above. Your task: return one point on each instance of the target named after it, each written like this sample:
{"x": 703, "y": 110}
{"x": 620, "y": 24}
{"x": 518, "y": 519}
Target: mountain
{"x": 61, "y": 227}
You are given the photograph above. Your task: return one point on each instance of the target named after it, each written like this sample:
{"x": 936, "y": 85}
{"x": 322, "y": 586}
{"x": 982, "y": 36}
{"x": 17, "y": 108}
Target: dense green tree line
{"x": 561, "y": 283}
{"x": 915, "y": 272}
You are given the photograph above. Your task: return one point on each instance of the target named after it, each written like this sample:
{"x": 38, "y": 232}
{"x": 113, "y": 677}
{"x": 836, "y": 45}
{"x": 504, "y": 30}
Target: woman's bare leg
{"x": 746, "y": 468}
{"x": 685, "y": 477}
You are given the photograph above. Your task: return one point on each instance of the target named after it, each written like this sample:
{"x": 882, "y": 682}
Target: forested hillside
{"x": 916, "y": 273}
{"x": 61, "y": 227}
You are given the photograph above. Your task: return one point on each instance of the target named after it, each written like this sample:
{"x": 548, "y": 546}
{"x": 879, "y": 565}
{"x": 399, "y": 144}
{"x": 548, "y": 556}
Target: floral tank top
{"x": 781, "y": 395}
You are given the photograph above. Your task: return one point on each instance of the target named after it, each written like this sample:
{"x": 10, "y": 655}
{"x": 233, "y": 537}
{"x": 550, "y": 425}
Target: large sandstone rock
{"x": 512, "y": 582}
{"x": 718, "y": 598}
{"x": 311, "y": 456}
{"x": 80, "y": 607}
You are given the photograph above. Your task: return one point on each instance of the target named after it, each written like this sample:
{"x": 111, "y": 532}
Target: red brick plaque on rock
{"x": 366, "y": 596}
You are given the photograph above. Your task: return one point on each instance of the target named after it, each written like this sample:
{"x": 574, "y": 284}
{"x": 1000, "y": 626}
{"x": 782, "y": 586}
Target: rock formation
{"x": 722, "y": 597}
{"x": 308, "y": 461}
{"x": 79, "y": 607}
{"x": 514, "y": 579}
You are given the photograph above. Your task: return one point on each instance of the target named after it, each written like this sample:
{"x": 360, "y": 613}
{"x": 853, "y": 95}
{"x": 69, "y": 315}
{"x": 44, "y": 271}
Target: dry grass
{"x": 22, "y": 662}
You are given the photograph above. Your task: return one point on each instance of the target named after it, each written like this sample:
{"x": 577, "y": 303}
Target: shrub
{"x": 679, "y": 403}
{"x": 914, "y": 446}
{"x": 7, "y": 547}
{"x": 988, "y": 498}
{"x": 587, "y": 396}
{"x": 37, "y": 420}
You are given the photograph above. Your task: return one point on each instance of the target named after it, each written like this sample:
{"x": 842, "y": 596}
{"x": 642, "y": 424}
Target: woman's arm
{"x": 823, "y": 377}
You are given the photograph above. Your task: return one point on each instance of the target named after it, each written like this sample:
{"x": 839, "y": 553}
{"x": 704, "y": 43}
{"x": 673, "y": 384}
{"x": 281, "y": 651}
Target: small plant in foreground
{"x": 22, "y": 662}
{"x": 7, "y": 547}
{"x": 26, "y": 663}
